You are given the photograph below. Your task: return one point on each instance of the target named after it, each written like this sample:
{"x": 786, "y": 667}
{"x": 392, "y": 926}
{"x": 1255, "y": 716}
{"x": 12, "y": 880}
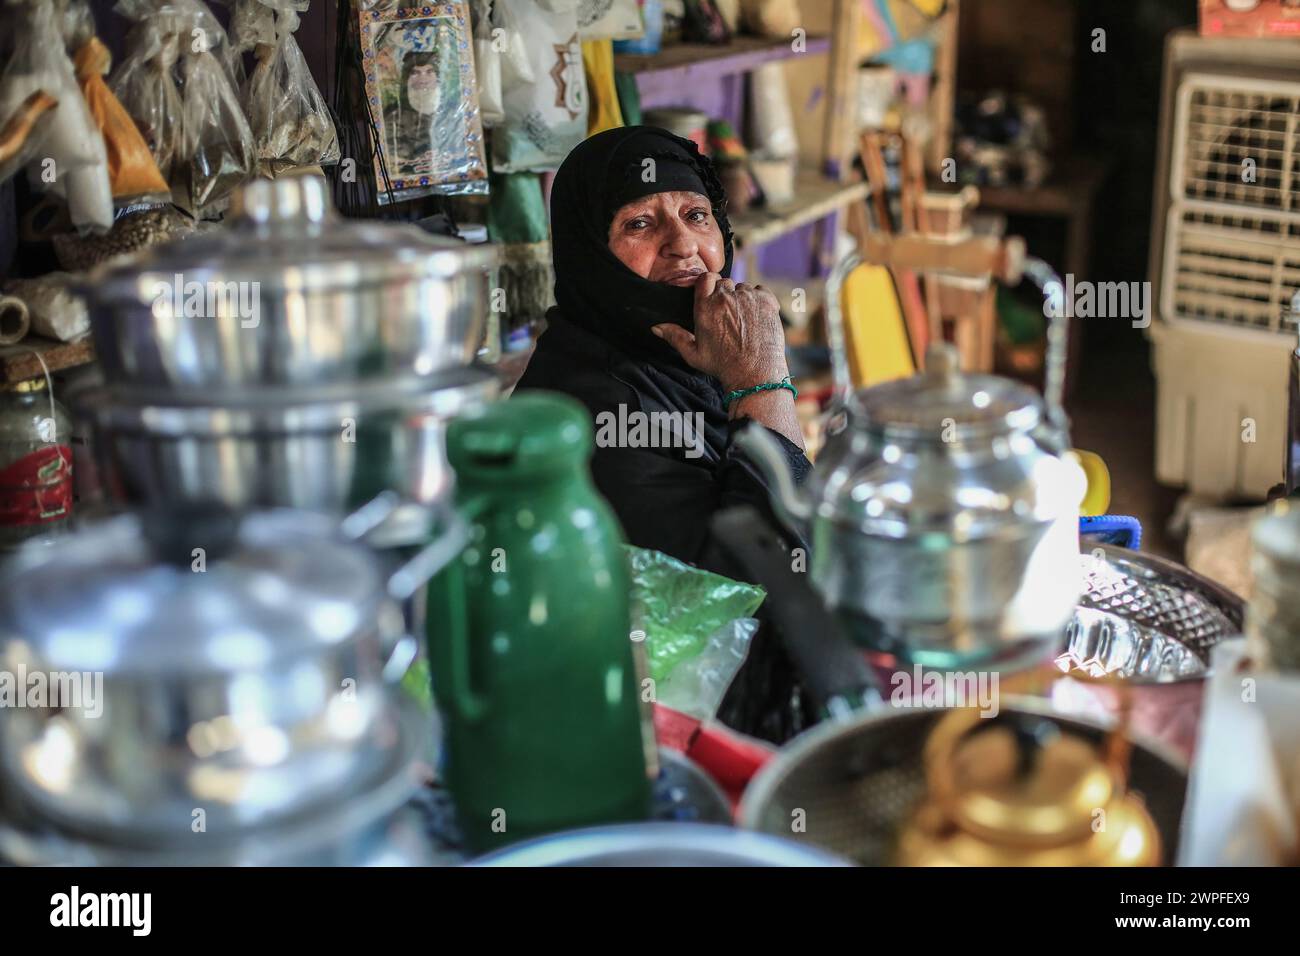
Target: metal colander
{"x": 856, "y": 782}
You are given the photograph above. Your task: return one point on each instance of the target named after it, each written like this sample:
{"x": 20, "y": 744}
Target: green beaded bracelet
{"x": 740, "y": 393}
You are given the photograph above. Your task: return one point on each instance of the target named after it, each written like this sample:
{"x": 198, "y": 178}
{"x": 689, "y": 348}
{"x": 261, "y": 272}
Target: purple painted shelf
{"x": 689, "y": 65}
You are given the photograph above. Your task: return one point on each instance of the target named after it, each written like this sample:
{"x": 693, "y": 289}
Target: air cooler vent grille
{"x": 1232, "y": 253}
{"x": 1240, "y": 146}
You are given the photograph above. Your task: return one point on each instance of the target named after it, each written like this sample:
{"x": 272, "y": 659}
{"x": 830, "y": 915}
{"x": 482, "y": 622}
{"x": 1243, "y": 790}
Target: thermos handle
{"x": 449, "y": 648}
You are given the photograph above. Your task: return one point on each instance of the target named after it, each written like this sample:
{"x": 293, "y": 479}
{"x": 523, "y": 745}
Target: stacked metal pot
{"x": 290, "y": 359}
{"x": 239, "y": 640}
{"x": 219, "y": 688}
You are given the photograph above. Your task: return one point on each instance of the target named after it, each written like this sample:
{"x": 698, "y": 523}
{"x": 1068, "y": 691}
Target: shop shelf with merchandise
{"x": 36, "y": 354}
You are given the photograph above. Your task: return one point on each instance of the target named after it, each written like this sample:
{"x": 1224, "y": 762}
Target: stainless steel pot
{"x": 369, "y": 825}
{"x": 215, "y": 668}
{"x": 322, "y": 449}
{"x": 290, "y": 294}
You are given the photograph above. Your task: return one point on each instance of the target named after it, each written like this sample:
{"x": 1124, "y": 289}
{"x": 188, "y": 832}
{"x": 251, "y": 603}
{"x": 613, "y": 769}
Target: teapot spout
{"x": 790, "y": 503}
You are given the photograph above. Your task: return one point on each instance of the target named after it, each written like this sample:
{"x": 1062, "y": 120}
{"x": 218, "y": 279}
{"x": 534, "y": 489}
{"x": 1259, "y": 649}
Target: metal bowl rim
{"x": 758, "y": 794}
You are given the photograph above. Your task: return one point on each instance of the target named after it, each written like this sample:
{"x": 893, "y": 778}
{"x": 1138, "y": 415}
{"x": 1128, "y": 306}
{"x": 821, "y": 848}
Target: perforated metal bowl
{"x": 848, "y": 786}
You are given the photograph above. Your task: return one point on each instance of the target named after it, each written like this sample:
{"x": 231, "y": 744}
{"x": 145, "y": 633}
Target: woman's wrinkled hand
{"x": 738, "y": 336}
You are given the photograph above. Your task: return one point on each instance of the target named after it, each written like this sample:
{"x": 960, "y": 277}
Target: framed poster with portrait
{"x": 419, "y": 69}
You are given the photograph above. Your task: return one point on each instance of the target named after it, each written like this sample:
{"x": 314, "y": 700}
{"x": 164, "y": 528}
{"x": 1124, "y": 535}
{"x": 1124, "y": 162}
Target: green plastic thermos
{"x": 528, "y": 633}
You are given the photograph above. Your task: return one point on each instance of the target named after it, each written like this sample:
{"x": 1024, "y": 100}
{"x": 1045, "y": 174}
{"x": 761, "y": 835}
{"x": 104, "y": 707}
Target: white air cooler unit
{"x": 1225, "y": 261}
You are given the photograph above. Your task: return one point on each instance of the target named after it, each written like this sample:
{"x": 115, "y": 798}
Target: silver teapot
{"x": 943, "y": 513}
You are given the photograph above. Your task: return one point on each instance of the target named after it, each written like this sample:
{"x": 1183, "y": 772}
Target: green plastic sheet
{"x": 679, "y": 607}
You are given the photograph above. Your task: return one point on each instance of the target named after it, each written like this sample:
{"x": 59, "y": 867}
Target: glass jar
{"x": 35, "y": 463}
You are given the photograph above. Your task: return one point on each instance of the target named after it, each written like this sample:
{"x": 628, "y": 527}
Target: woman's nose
{"x": 678, "y": 241}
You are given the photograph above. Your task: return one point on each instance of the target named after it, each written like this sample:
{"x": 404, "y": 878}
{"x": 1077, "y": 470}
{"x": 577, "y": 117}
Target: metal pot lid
{"x": 285, "y": 234}
{"x": 187, "y": 591}
{"x": 945, "y": 404}
{"x": 226, "y": 412}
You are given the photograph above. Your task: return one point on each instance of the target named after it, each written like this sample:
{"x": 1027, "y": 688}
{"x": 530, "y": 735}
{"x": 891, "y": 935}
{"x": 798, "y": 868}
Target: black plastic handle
{"x": 835, "y": 672}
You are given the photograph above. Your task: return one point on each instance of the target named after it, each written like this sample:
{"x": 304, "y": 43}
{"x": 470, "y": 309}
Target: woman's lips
{"x": 683, "y": 277}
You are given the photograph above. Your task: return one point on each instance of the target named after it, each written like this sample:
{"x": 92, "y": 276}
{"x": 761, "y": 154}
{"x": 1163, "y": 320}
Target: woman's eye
{"x": 638, "y": 223}
{"x": 698, "y": 215}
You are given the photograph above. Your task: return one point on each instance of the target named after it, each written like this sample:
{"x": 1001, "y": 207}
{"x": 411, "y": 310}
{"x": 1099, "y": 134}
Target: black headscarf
{"x": 593, "y": 289}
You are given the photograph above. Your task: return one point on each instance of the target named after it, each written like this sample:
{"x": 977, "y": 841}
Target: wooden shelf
{"x": 815, "y": 196}
{"x": 18, "y": 362}
{"x": 1072, "y": 185}
{"x": 692, "y": 63}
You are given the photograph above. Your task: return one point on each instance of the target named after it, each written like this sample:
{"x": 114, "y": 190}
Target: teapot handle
{"x": 1058, "y": 340}
{"x": 843, "y": 381}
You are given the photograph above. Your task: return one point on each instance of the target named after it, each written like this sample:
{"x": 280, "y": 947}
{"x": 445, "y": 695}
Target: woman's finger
{"x": 676, "y": 336}
{"x": 704, "y": 287}
{"x": 727, "y": 285}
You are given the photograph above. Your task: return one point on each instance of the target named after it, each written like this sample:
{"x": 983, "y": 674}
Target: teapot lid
{"x": 1028, "y": 784}
{"x": 286, "y": 235}
{"x": 945, "y": 404}
{"x": 188, "y": 590}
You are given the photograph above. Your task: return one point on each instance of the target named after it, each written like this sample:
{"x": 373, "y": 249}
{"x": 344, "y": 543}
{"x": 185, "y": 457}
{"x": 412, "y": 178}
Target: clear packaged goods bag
{"x": 177, "y": 84}
{"x": 144, "y": 80}
{"x": 133, "y": 175}
{"x": 290, "y": 121}
{"x": 71, "y": 161}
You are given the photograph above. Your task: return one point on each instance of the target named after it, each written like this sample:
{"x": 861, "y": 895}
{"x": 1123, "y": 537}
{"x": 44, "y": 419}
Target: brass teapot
{"x": 1021, "y": 790}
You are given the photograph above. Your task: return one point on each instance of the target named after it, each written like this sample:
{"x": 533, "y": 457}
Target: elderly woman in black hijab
{"x": 648, "y": 322}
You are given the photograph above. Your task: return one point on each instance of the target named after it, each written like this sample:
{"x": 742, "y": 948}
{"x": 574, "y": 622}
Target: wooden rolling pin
{"x": 19, "y": 126}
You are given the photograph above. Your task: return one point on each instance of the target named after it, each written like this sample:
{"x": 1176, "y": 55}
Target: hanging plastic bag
{"x": 487, "y": 65}
{"x": 23, "y": 133}
{"x": 290, "y": 122}
{"x": 216, "y": 151}
{"x": 545, "y": 119}
{"x": 144, "y": 81}
{"x": 132, "y": 172}
{"x": 71, "y": 161}
{"x": 516, "y": 68}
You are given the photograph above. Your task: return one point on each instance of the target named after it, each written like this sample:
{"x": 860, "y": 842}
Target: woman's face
{"x": 668, "y": 237}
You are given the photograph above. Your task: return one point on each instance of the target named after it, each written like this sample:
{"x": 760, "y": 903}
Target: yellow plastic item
{"x": 931, "y": 8}
{"x": 1096, "y": 500}
{"x": 874, "y": 329}
{"x": 603, "y": 112}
